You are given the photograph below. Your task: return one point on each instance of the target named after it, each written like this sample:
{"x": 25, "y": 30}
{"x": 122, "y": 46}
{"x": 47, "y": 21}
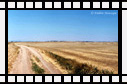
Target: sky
{"x": 62, "y": 25}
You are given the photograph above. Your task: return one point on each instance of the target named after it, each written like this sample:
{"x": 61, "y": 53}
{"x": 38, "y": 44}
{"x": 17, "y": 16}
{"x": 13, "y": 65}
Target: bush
{"x": 37, "y": 69}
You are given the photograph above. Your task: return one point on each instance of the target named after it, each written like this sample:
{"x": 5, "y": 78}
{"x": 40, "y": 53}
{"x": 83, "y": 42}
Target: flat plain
{"x": 63, "y": 57}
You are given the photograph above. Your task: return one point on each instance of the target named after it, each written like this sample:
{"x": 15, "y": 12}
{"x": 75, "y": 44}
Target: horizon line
{"x": 62, "y": 41}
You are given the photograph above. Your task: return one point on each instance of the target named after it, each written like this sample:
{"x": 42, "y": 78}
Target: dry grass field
{"x": 12, "y": 54}
{"x": 100, "y": 55}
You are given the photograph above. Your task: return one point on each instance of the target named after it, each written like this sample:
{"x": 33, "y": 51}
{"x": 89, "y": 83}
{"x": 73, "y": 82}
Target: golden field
{"x": 103, "y": 55}
{"x": 12, "y": 54}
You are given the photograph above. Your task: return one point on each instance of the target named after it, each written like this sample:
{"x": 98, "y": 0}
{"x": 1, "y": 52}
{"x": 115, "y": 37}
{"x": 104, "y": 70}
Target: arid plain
{"x": 63, "y": 57}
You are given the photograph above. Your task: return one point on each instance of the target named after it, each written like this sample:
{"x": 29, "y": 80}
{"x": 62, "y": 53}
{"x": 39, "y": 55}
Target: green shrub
{"x": 37, "y": 69}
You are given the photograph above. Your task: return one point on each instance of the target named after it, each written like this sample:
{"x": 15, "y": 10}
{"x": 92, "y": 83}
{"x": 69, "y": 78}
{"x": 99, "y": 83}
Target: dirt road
{"x": 22, "y": 65}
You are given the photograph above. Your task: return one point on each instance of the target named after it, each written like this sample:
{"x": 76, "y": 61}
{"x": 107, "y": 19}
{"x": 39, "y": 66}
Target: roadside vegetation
{"x": 35, "y": 65}
{"x": 73, "y": 67}
{"x": 37, "y": 69}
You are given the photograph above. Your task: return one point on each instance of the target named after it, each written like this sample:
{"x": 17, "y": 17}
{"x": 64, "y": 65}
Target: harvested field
{"x": 103, "y": 55}
{"x": 13, "y": 52}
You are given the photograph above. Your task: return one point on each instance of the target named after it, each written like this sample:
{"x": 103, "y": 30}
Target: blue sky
{"x": 62, "y": 25}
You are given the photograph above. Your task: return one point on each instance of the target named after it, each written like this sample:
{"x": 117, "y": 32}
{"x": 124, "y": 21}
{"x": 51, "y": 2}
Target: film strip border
{"x": 65, "y": 79}
{"x": 65, "y": 5}
{"x": 61, "y": 78}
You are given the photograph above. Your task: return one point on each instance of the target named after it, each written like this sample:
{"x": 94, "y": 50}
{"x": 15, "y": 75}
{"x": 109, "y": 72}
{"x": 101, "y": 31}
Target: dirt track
{"x": 22, "y": 65}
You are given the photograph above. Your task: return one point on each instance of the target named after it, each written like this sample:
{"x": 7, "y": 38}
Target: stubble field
{"x": 96, "y": 57}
